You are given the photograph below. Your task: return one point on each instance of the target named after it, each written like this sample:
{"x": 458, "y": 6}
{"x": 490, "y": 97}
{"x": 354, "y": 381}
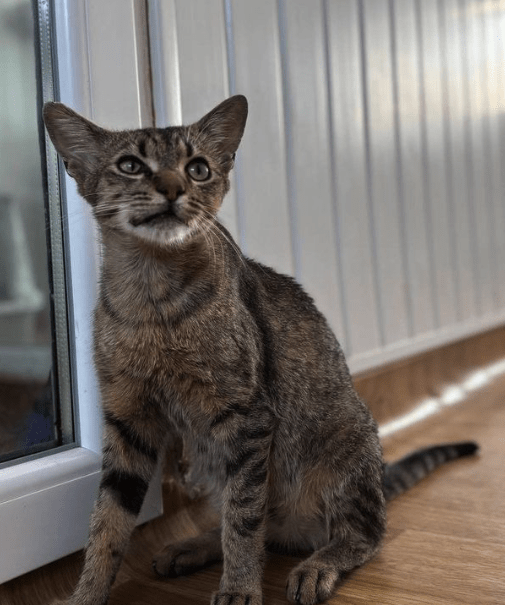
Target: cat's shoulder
{"x": 279, "y": 287}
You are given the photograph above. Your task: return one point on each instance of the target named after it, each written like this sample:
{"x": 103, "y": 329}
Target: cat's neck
{"x": 137, "y": 275}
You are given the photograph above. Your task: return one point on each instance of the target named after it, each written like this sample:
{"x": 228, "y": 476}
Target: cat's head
{"x": 158, "y": 184}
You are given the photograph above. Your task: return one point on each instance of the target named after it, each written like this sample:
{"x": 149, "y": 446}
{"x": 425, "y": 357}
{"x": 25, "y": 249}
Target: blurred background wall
{"x": 372, "y": 163}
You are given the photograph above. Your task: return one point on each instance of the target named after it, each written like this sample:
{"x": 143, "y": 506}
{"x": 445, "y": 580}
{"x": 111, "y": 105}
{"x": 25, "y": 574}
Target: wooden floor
{"x": 445, "y": 543}
{"x": 446, "y": 537}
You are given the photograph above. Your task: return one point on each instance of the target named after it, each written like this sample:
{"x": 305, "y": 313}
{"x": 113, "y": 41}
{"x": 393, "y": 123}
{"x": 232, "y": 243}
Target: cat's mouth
{"x": 155, "y": 218}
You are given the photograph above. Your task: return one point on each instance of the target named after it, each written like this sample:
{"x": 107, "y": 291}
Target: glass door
{"x": 93, "y": 56}
{"x": 33, "y": 348}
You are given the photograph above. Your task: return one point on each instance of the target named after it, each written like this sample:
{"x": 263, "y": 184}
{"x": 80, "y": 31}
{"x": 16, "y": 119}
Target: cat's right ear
{"x": 76, "y": 139}
{"x": 223, "y": 127}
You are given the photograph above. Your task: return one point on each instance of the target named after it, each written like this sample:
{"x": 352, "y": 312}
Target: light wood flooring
{"x": 445, "y": 543}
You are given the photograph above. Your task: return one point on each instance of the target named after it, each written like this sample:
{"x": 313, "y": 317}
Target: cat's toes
{"x": 309, "y": 583}
{"x": 235, "y": 598}
{"x": 173, "y": 561}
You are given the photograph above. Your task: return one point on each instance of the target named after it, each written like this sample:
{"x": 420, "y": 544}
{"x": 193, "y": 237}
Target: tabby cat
{"x": 193, "y": 339}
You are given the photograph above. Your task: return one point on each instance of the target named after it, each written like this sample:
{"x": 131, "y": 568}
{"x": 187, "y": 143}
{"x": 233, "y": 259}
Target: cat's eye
{"x": 130, "y": 165}
{"x": 198, "y": 170}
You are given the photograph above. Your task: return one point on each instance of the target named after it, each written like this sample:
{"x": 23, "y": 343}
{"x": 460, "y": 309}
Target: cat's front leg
{"x": 244, "y": 513}
{"x": 131, "y": 448}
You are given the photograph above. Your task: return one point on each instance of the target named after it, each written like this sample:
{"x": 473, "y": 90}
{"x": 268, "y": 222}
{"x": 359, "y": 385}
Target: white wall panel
{"x": 204, "y": 72}
{"x": 387, "y": 218}
{"x": 494, "y": 53}
{"x": 440, "y": 232}
{"x": 108, "y": 72}
{"x": 354, "y": 228}
{"x": 414, "y": 209}
{"x": 499, "y": 33}
{"x": 265, "y": 231}
{"x": 197, "y": 61}
{"x": 456, "y": 108}
{"x": 309, "y": 155}
{"x": 373, "y": 160}
{"x": 478, "y": 164}
{"x": 202, "y": 56}
{"x": 165, "y": 62}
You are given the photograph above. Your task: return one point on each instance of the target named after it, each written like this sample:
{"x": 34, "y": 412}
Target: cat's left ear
{"x": 222, "y": 128}
{"x": 77, "y": 140}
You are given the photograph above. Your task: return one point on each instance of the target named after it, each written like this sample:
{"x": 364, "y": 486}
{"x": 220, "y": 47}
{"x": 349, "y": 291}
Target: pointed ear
{"x": 77, "y": 140}
{"x": 223, "y": 127}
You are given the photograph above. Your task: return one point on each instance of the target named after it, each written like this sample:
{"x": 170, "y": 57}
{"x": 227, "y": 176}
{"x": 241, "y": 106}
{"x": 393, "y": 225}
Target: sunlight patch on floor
{"x": 451, "y": 395}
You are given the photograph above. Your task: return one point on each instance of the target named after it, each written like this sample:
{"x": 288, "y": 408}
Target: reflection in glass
{"x": 28, "y": 419}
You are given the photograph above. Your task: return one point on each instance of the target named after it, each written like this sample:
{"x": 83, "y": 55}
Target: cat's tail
{"x": 403, "y": 474}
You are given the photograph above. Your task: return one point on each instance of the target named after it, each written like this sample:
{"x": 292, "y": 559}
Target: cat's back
{"x": 305, "y": 360}
{"x": 283, "y": 302}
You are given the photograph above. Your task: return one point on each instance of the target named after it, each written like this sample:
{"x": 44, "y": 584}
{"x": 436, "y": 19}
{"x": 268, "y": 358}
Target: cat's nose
{"x": 169, "y": 184}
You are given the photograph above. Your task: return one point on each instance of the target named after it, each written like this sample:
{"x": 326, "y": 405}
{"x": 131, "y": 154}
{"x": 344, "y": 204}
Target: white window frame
{"x": 102, "y": 62}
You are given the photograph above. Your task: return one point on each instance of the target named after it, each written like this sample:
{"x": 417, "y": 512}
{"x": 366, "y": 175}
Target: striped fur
{"x": 400, "y": 476}
{"x": 225, "y": 364}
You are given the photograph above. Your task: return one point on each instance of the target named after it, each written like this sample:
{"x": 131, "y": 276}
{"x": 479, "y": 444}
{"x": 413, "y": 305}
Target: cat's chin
{"x": 163, "y": 228}
{"x": 162, "y": 233}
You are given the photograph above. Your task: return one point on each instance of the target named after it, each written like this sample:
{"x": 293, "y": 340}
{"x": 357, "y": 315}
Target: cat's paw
{"x": 174, "y": 561}
{"x": 309, "y": 583}
{"x": 235, "y": 598}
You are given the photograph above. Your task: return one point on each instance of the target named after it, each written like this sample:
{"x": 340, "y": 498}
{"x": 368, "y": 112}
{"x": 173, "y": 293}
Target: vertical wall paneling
{"x": 351, "y": 192}
{"x": 500, "y": 70}
{"x": 202, "y": 56}
{"x": 372, "y": 166}
{"x": 456, "y": 116}
{"x": 203, "y": 69}
{"x": 106, "y": 108}
{"x": 435, "y": 163}
{"x": 410, "y": 165}
{"x": 477, "y": 152}
{"x": 258, "y": 74}
{"x": 165, "y": 62}
{"x": 494, "y": 109}
{"x": 383, "y": 168}
{"x": 498, "y": 32}
{"x": 310, "y": 169}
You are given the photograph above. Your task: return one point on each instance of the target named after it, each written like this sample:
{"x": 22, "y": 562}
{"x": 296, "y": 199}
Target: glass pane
{"x": 31, "y": 419}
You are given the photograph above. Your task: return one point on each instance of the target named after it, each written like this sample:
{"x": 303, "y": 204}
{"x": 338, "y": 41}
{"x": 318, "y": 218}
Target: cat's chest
{"x": 148, "y": 351}
{"x": 185, "y": 373}
{"x": 195, "y": 366}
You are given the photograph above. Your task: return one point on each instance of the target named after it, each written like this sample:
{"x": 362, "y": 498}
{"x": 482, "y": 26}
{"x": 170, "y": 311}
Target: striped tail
{"x": 405, "y": 473}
